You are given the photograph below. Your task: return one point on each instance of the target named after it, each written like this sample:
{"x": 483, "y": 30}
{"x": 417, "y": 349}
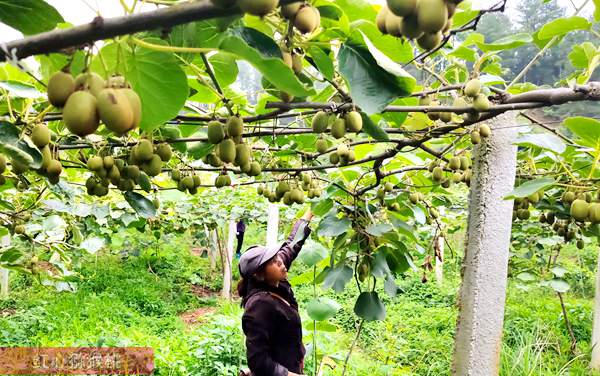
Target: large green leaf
{"x": 547, "y": 141}
{"x": 506, "y": 43}
{"x": 332, "y": 226}
{"x": 15, "y": 148}
{"x": 337, "y": 278}
{"x": 373, "y": 129}
{"x": 322, "y": 61}
{"x": 225, "y": 68}
{"x": 586, "y": 129}
{"x": 142, "y": 206}
{"x": 562, "y": 26}
{"x": 597, "y": 10}
{"x": 374, "y": 79}
{"x": 369, "y": 307}
{"x": 312, "y": 252}
{"x": 29, "y": 16}
{"x": 321, "y": 309}
{"x": 262, "y": 53}
{"x": 357, "y": 9}
{"x": 530, "y": 187}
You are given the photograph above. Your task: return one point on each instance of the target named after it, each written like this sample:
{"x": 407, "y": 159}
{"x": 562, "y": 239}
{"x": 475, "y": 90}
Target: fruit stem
{"x": 158, "y": 47}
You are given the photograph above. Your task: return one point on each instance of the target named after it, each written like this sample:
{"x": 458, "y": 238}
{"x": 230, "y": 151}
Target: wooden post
{"x": 272, "y": 225}
{"x": 478, "y": 339}
{"x": 228, "y": 260}
{"x": 439, "y": 260}
{"x": 595, "y": 363}
{"x": 4, "y": 243}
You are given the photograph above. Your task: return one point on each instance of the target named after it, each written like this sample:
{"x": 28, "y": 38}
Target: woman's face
{"x": 275, "y": 271}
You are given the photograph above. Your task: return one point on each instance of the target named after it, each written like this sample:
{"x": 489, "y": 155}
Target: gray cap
{"x": 254, "y": 257}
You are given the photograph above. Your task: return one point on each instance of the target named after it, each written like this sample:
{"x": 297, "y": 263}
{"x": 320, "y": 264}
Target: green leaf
{"x": 332, "y": 226}
{"x": 378, "y": 229}
{"x": 321, "y": 309}
{"x": 10, "y": 255}
{"x": 142, "y": 206}
{"x": 597, "y": 10}
{"x": 312, "y": 252}
{"x": 399, "y": 52}
{"x": 390, "y": 286}
{"x": 21, "y": 90}
{"x": 263, "y": 54}
{"x": 29, "y": 16}
{"x": 369, "y": 307}
{"x": 506, "y": 43}
{"x": 15, "y": 148}
{"x": 372, "y": 129}
{"x": 545, "y": 141}
{"x": 337, "y": 278}
{"x": 322, "y": 207}
{"x": 92, "y": 244}
{"x": 586, "y": 129}
{"x": 322, "y": 61}
{"x": 530, "y": 187}
{"x": 357, "y": 9}
{"x": 562, "y": 26}
{"x": 225, "y": 68}
{"x": 322, "y": 326}
{"x": 559, "y": 285}
{"x": 374, "y": 79}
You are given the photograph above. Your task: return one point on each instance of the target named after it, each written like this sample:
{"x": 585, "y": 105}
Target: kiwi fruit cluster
{"x": 291, "y": 192}
{"x": 457, "y": 170}
{"x": 482, "y": 131}
{"x": 51, "y": 166}
{"x": 342, "y": 156}
{"x": 305, "y": 18}
{"x": 88, "y": 99}
{"x": 426, "y": 21}
{"x": 189, "y": 182}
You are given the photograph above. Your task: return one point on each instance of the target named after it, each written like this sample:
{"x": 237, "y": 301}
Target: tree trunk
{"x": 439, "y": 260}
{"x": 4, "y": 243}
{"x": 595, "y": 364}
{"x": 272, "y": 225}
{"x": 228, "y": 260}
{"x": 484, "y": 272}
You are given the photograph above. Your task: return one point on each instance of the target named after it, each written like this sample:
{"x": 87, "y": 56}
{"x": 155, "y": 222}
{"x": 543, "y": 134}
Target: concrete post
{"x": 4, "y": 243}
{"x": 478, "y": 339}
{"x": 228, "y": 260}
{"x": 595, "y": 363}
{"x": 272, "y": 225}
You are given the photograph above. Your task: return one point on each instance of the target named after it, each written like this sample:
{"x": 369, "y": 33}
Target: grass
{"x": 137, "y": 301}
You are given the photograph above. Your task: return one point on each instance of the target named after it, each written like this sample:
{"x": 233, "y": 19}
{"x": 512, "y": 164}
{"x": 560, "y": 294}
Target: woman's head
{"x": 263, "y": 264}
{"x": 272, "y": 272}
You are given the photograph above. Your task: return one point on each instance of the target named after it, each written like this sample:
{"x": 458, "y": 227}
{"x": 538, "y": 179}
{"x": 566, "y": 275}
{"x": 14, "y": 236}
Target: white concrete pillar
{"x": 478, "y": 339}
{"x": 4, "y": 243}
{"x": 226, "y": 293}
{"x": 595, "y": 363}
{"x": 439, "y": 260}
{"x": 272, "y": 225}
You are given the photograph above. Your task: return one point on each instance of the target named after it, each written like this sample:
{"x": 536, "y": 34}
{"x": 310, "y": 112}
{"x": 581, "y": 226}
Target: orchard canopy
{"x": 372, "y": 114}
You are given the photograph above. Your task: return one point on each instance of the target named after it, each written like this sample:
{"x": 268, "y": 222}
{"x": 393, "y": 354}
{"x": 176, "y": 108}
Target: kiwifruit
{"x": 393, "y": 24}
{"x": 354, "y": 122}
{"x": 54, "y": 168}
{"x": 282, "y": 187}
{"x": 389, "y": 186}
{"x": 95, "y": 163}
{"x": 243, "y": 153}
{"x": 213, "y": 160}
{"x": 438, "y": 174}
{"x": 154, "y": 166}
{"x": 342, "y": 151}
{"x": 321, "y": 145}
{"x": 307, "y": 19}
{"x": 306, "y": 178}
{"x": 144, "y": 151}
{"x": 176, "y": 175}
{"x": 135, "y": 103}
{"x": 334, "y": 158}
{"x": 434, "y": 213}
{"x": 20, "y": 229}
{"x": 80, "y": 114}
{"x": 286, "y": 198}
{"x": 258, "y": 7}
{"x": 287, "y": 58}
{"x": 115, "y": 111}
{"x": 297, "y": 61}
{"x": 114, "y": 173}
{"x": 484, "y": 130}
{"x": 579, "y": 210}
{"x": 523, "y": 214}
{"x": 465, "y": 163}
{"x": 320, "y": 122}
{"x": 429, "y": 41}
{"x": 432, "y": 15}
{"x": 454, "y": 163}
{"x": 425, "y": 100}
{"x": 60, "y": 86}
{"x": 235, "y": 126}
{"x": 289, "y": 10}
{"x": 402, "y": 8}
{"x": 381, "y": 18}
{"x": 46, "y": 157}
{"x": 164, "y": 151}
{"x": 338, "y": 128}
{"x": 457, "y": 177}
{"x": 594, "y": 212}
{"x": 413, "y": 197}
{"x": 446, "y": 117}
{"x": 475, "y": 137}
{"x": 481, "y": 103}
{"x": 409, "y": 27}
{"x": 227, "y": 151}
{"x": 91, "y": 82}
{"x": 550, "y": 217}
{"x": 197, "y": 180}
{"x": 40, "y": 135}
{"x": 188, "y": 182}
{"x": 580, "y": 244}
{"x": 255, "y": 169}
{"x": 472, "y": 88}
{"x": 215, "y": 132}
{"x": 131, "y": 172}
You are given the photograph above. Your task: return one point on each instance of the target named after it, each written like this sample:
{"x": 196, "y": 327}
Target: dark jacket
{"x": 273, "y": 329}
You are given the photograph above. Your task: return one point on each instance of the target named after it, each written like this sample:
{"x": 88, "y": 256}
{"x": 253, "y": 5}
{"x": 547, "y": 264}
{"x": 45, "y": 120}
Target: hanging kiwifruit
{"x": 235, "y": 126}
{"x": 91, "y": 82}
{"x": 115, "y": 111}
{"x": 80, "y": 114}
{"x": 60, "y": 86}
{"x": 227, "y": 151}
{"x": 135, "y": 103}
{"x": 243, "y": 153}
{"x": 402, "y": 8}
{"x": 164, "y": 151}
{"x": 321, "y": 145}
{"x": 472, "y": 88}
{"x": 258, "y": 7}
{"x": 144, "y": 150}
{"x": 215, "y": 132}
{"x": 255, "y": 169}
{"x": 297, "y": 61}
{"x": 40, "y": 135}
{"x": 409, "y": 27}
{"x": 481, "y": 103}
{"x": 381, "y": 18}
{"x": 307, "y": 19}
{"x": 320, "y": 122}
{"x": 354, "y": 122}
{"x": 54, "y": 168}
{"x": 393, "y": 25}
{"x": 429, "y": 41}
{"x": 338, "y": 128}
{"x": 289, "y": 11}
{"x": 153, "y": 167}
{"x": 484, "y": 130}
{"x": 432, "y": 15}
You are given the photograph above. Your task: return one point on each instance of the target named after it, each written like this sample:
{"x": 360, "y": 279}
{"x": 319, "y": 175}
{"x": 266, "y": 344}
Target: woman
{"x": 271, "y": 321}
